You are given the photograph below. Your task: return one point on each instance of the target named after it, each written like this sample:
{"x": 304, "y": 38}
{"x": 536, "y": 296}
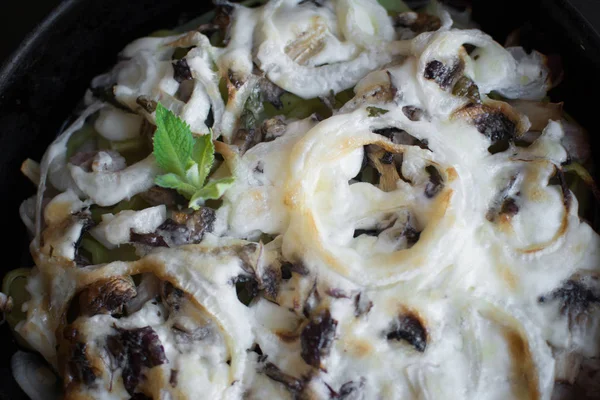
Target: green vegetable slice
{"x": 13, "y": 285}
{"x": 136, "y": 203}
{"x": 98, "y": 254}
{"x": 79, "y": 138}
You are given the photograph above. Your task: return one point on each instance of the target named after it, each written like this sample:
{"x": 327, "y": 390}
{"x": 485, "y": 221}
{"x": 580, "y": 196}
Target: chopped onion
{"x": 33, "y": 376}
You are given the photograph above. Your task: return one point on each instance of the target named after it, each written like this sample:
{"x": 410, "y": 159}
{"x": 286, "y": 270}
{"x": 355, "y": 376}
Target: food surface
{"x": 316, "y": 199}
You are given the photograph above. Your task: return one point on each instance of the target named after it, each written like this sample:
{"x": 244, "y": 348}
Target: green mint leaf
{"x": 173, "y": 141}
{"x": 376, "y": 111}
{"x": 172, "y": 181}
{"x": 204, "y": 156}
{"x": 212, "y": 191}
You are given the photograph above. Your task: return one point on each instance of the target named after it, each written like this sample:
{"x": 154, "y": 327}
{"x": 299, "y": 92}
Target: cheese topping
{"x": 410, "y": 245}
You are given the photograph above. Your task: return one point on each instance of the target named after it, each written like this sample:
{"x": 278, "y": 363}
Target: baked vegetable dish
{"x": 313, "y": 199}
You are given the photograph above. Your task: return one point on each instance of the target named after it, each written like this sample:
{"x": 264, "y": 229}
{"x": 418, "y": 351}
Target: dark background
{"x": 21, "y": 16}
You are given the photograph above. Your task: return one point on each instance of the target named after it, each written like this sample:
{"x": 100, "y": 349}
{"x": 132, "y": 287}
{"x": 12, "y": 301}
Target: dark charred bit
{"x": 495, "y": 125}
{"x": 107, "y": 95}
{"x": 337, "y": 293}
{"x": 172, "y": 296}
{"x": 269, "y": 283}
{"x": 412, "y": 113}
{"x": 435, "y": 184}
{"x": 173, "y": 378}
{"x": 351, "y": 390}
{"x": 287, "y": 268}
{"x": 88, "y": 223}
{"x": 312, "y": 300}
{"x": 387, "y": 158}
{"x": 564, "y": 187}
{"x": 317, "y": 337}
{"x": 318, "y": 3}
{"x": 256, "y": 348}
{"x": 368, "y": 232}
{"x": 148, "y": 239}
{"x": 106, "y": 296}
{"x": 442, "y": 74}
{"x": 135, "y": 349}
{"x": 501, "y": 203}
{"x": 79, "y": 365}
{"x": 388, "y": 132}
{"x": 182, "y": 71}
{"x": 574, "y": 298}
{"x": 259, "y": 168}
{"x": 235, "y": 80}
{"x": 412, "y": 235}
{"x": 417, "y": 22}
{"x": 362, "y": 305}
{"x": 246, "y": 288}
{"x": 400, "y": 136}
{"x": 271, "y": 92}
{"x": 147, "y": 103}
{"x": 509, "y": 207}
{"x": 469, "y": 48}
{"x": 409, "y": 328}
{"x": 293, "y": 384}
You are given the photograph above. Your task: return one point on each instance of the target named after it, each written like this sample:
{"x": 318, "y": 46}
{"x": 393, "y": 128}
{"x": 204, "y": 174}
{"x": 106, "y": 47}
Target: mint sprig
{"x": 186, "y": 159}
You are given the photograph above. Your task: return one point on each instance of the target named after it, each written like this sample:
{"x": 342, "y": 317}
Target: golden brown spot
{"x": 451, "y": 174}
{"x": 504, "y": 222}
{"x": 508, "y": 277}
{"x": 357, "y": 347}
{"x": 287, "y": 337}
{"x": 524, "y": 375}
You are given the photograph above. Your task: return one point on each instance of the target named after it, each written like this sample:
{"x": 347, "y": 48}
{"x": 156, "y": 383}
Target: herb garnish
{"x": 186, "y": 159}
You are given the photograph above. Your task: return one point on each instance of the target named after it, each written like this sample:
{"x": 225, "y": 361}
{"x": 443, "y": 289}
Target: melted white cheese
{"x": 473, "y": 279}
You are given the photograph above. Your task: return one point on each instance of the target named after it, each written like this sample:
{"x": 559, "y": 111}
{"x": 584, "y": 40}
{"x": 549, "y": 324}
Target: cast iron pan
{"x": 44, "y": 79}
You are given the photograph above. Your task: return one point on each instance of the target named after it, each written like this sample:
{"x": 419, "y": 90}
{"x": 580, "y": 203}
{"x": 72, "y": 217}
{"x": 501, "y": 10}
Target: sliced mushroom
{"x": 496, "y": 120}
{"x": 317, "y": 338}
{"x": 134, "y": 350}
{"x": 107, "y": 296}
{"x": 417, "y": 23}
{"x": 293, "y": 384}
{"x": 442, "y": 74}
{"x": 409, "y": 328}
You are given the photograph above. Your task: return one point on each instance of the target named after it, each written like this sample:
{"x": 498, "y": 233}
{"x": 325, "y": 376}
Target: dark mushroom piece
{"x": 408, "y": 328}
{"x": 107, "y": 296}
{"x": 442, "y": 74}
{"x": 134, "y": 350}
{"x": 317, "y": 338}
